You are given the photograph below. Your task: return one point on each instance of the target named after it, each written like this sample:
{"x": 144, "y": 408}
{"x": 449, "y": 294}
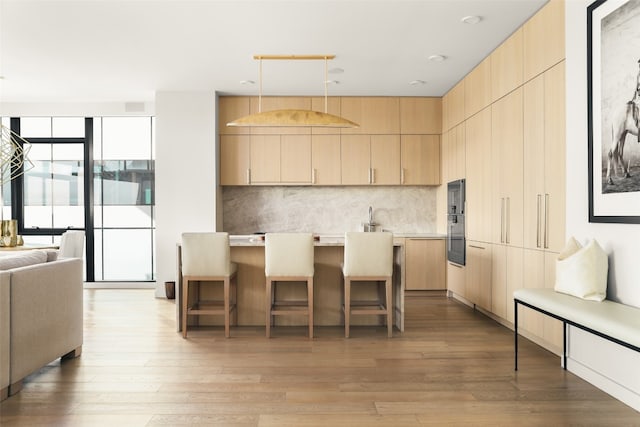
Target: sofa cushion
{"x": 23, "y": 259}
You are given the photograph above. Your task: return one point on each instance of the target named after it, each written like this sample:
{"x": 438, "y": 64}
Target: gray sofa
{"x": 40, "y": 316}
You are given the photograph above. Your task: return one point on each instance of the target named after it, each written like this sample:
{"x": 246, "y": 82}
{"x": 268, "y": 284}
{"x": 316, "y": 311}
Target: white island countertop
{"x": 322, "y": 239}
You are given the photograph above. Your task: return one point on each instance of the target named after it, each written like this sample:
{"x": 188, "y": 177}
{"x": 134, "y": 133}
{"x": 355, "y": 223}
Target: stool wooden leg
{"x": 310, "y": 305}
{"x": 268, "y": 308}
{"x": 347, "y": 306}
{"x": 389, "y": 308}
{"x": 185, "y": 305}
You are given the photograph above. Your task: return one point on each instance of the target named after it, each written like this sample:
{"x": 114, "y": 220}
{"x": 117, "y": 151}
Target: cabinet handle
{"x": 502, "y": 220}
{"x": 402, "y": 176}
{"x": 546, "y": 221}
{"x": 369, "y": 178}
{"x": 507, "y": 238}
{"x": 248, "y": 176}
{"x": 455, "y": 265}
{"x": 477, "y": 247}
{"x": 539, "y": 197}
{"x": 373, "y": 176}
{"x": 313, "y": 175}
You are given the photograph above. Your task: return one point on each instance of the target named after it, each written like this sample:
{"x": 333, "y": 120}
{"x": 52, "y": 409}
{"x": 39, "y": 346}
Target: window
{"x": 95, "y": 174}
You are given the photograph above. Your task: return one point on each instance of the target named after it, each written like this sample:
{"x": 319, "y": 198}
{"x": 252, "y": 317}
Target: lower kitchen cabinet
{"x": 478, "y": 274}
{"x": 456, "y": 280}
{"x": 507, "y": 276}
{"x": 425, "y": 261}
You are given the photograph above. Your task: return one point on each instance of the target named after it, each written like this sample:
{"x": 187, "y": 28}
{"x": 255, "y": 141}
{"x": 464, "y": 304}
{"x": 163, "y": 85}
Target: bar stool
{"x": 288, "y": 257}
{"x": 368, "y": 257}
{"x": 206, "y": 258}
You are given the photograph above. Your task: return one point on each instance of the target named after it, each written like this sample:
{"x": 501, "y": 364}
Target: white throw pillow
{"x": 582, "y": 271}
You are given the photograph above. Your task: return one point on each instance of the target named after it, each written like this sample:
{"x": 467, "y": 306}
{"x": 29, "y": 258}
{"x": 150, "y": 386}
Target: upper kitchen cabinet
{"x": 235, "y": 160}
{"x": 507, "y": 66}
{"x": 231, "y": 108}
{"x": 453, "y": 153}
{"x": 280, "y": 159}
{"x": 477, "y": 88}
{"x": 455, "y": 105}
{"x": 325, "y": 164}
{"x": 544, "y": 44}
{"x": 265, "y": 159}
{"x": 420, "y": 116}
{"x": 420, "y": 156}
{"x": 370, "y": 159}
{"x": 333, "y": 107}
{"x": 375, "y": 115}
{"x": 270, "y": 103}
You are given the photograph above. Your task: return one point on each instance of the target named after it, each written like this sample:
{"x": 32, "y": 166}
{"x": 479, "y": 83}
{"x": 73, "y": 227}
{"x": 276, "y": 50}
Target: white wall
{"x": 186, "y": 177}
{"x": 590, "y": 357}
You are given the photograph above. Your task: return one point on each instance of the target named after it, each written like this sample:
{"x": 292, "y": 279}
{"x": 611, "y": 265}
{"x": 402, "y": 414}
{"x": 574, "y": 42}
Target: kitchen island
{"x": 248, "y": 252}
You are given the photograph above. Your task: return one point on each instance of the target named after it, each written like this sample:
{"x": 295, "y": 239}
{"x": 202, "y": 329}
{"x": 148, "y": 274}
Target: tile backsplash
{"x": 328, "y": 210}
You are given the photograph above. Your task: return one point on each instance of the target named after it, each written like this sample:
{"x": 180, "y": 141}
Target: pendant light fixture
{"x": 291, "y": 117}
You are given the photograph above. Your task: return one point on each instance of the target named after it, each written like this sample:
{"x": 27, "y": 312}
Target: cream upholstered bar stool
{"x": 288, "y": 257}
{"x": 206, "y": 257}
{"x": 71, "y": 244}
{"x": 368, "y": 257}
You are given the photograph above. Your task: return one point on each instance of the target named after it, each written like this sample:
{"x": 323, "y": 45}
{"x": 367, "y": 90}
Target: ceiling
{"x": 125, "y": 51}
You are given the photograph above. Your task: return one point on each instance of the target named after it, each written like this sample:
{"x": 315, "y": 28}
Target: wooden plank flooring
{"x": 452, "y": 366}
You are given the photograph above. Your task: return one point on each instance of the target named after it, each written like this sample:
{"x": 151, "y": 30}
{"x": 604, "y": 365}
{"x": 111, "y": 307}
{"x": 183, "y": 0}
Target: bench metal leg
{"x": 515, "y": 333}
{"x": 564, "y": 345}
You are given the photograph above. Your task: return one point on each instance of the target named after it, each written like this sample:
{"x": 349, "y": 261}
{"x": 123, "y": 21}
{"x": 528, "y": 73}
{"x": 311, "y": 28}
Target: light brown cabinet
{"x": 455, "y": 105}
{"x": 507, "y": 169}
{"x": 280, "y": 159}
{"x": 544, "y": 151}
{"x": 456, "y": 279}
{"x": 478, "y": 176}
{"x": 506, "y": 276}
{"x": 375, "y": 115}
{"x": 270, "y": 103}
{"x": 265, "y": 159}
{"x": 507, "y": 66}
{"x": 370, "y": 159}
{"x": 235, "y": 163}
{"x": 543, "y": 35}
{"x": 453, "y": 145}
{"x": 420, "y": 115}
{"x": 420, "y": 158}
{"x": 231, "y": 108}
{"x": 325, "y": 150}
{"x": 478, "y": 274}
{"x": 477, "y": 88}
{"x": 425, "y": 261}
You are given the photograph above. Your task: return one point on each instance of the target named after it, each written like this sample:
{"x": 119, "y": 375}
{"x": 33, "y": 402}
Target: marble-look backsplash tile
{"x": 328, "y": 210}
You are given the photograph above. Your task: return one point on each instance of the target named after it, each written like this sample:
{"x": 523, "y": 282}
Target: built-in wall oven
{"x": 455, "y": 222}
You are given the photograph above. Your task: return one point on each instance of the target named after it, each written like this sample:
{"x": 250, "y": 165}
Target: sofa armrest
{"x": 5, "y": 328}
{"x": 46, "y": 314}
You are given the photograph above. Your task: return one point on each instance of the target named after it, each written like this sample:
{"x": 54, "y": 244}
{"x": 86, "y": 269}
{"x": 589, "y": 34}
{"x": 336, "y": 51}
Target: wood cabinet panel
{"x": 420, "y": 115}
{"x": 375, "y": 115}
{"x": 295, "y": 159}
{"x": 385, "y": 159}
{"x": 455, "y": 153}
{"x": 507, "y": 66}
{"x": 478, "y": 176}
{"x": 231, "y": 108}
{"x": 333, "y": 107}
{"x": 543, "y": 39}
{"x": 477, "y": 88}
{"x": 456, "y": 279}
{"x": 507, "y": 167}
{"x": 478, "y": 274}
{"x": 425, "y": 261}
{"x": 325, "y": 155}
{"x": 420, "y": 158}
{"x": 235, "y": 159}
{"x": 265, "y": 158}
{"x": 355, "y": 160}
{"x": 507, "y": 273}
{"x": 455, "y": 104}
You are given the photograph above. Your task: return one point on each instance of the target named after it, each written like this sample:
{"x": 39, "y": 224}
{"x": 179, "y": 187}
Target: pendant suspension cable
{"x": 326, "y": 84}
{"x": 260, "y": 88}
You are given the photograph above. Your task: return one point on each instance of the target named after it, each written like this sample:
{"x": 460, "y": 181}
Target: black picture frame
{"x": 618, "y": 202}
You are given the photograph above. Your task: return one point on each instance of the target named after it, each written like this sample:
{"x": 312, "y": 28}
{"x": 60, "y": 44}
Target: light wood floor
{"x": 452, "y": 366}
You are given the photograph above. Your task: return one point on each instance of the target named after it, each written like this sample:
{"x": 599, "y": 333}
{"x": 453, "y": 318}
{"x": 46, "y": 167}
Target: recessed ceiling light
{"x": 247, "y": 82}
{"x": 417, "y": 82}
{"x": 336, "y": 71}
{"x": 471, "y": 19}
{"x": 437, "y": 58}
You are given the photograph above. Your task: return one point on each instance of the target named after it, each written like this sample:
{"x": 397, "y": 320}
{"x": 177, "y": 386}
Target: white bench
{"x": 607, "y": 319}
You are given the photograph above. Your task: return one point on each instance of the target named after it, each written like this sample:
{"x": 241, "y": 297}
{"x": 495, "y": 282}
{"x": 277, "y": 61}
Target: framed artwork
{"x": 613, "y": 74}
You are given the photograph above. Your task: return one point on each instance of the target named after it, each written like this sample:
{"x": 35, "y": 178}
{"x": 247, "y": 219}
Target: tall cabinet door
{"x": 478, "y": 171}
{"x": 507, "y": 159}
